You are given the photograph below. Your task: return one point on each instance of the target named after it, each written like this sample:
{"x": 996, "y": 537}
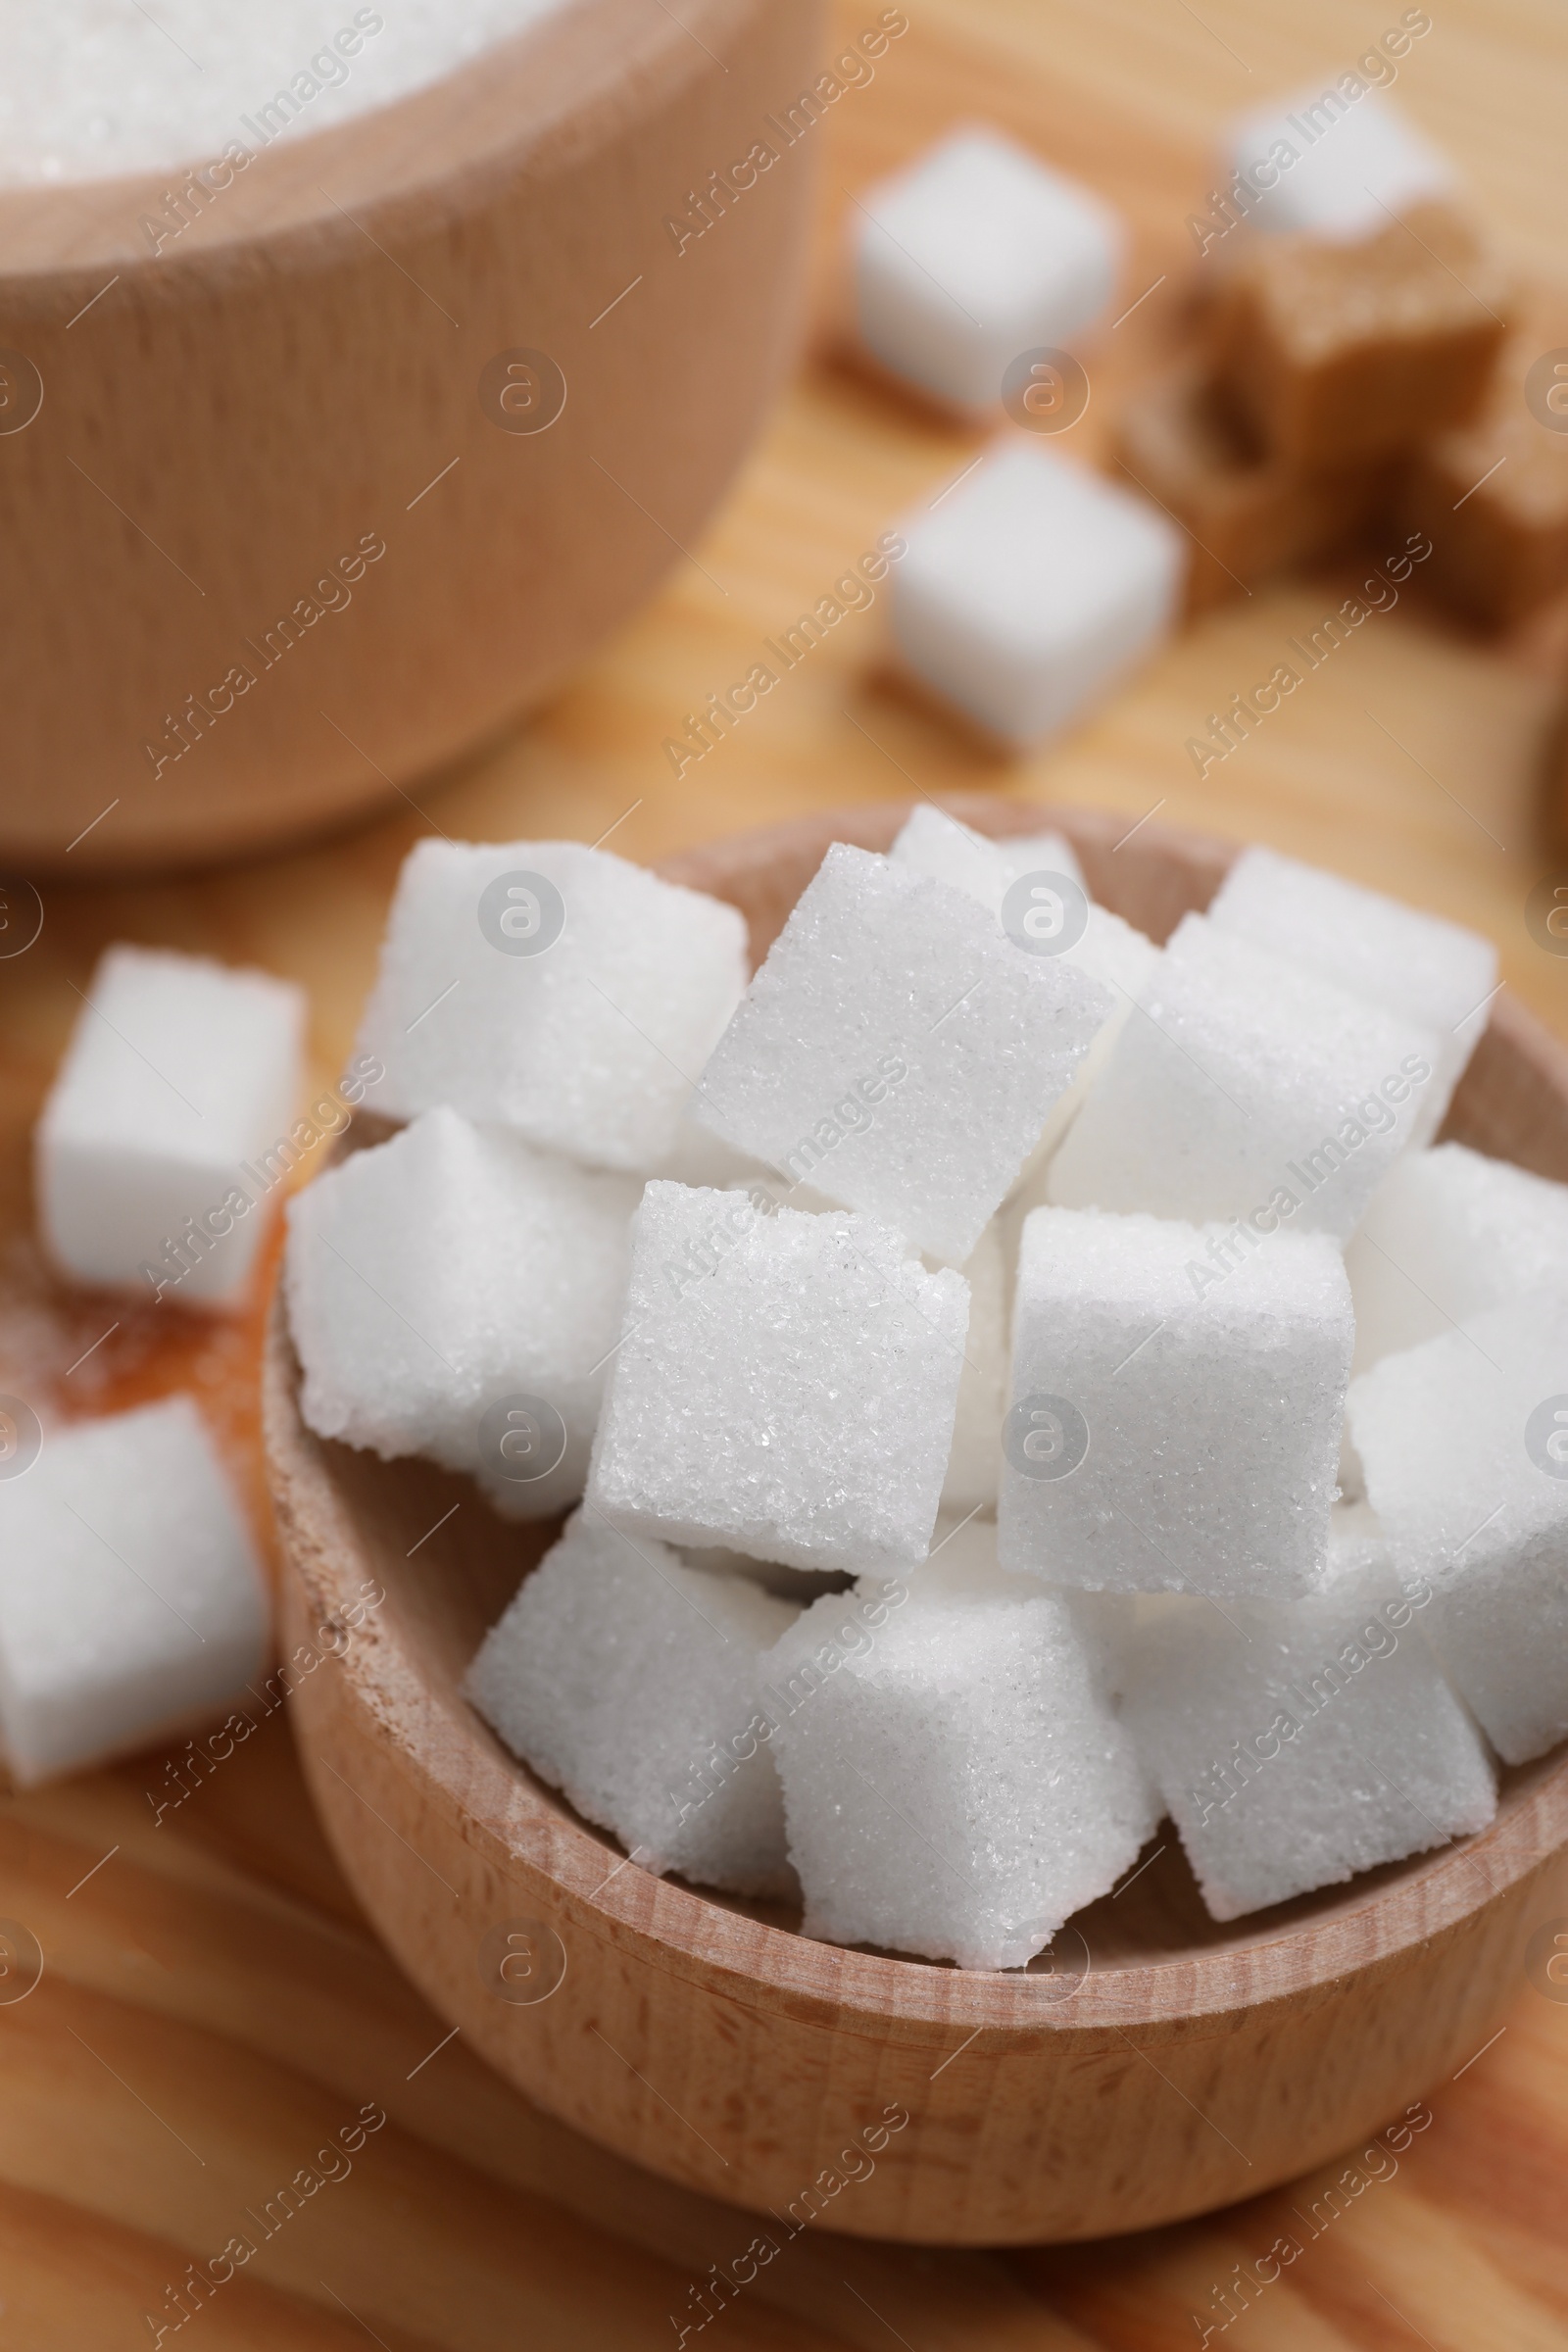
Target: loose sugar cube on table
{"x": 553, "y": 988}
{"x": 1030, "y": 589}
{"x": 1303, "y": 1742}
{"x": 954, "y": 1783}
{"x": 1464, "y": 1446}
{"x": 1413, "y": 964}
{"x": 455, "y": 1293}
{"x": 1328, "y": 164}
{"x": 1174, "y": 1422}
{"x": 784, "y": 1386}
{"x": 131, "y": 1600}
{"x": 1335, "y": 352}
{"x": 631, "y": 1682}
{"x": 1490, "y": 496}
{"x": 1447, "y": 1235}
{"x": 165, "y": 1128}
{"x": 976, "y": 256}
{"x": 898, "y": 1051}
{"x": 1247, "y": 1088}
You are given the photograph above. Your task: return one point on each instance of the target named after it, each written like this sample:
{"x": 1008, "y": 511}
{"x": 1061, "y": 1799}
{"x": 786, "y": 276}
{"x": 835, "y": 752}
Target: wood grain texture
{"x": 231, "y": 1941}
{"x": 296, "y": 381}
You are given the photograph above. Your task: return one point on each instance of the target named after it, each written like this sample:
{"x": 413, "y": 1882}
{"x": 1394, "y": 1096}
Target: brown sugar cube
{"x": 1336, "y": 352}
{"x": 1493, "y": 498}
{"x": 1247, "y": 514}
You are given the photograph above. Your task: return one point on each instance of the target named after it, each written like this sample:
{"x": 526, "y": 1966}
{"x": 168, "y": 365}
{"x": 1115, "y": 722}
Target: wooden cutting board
{"x": 214, "y": 2019}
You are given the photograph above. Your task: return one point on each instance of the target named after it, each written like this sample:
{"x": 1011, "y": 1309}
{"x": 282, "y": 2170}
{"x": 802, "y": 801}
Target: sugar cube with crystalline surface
{"x": 1332, "y": 166}
{"x": 553, "y": 988}
{"x": 784, "y": 1386}
{"x": 1447, "y": 1235}
{"x": 898, "y": 1052}
{"x": 131, "y": 1600}
{"x": 168, "y": 1123}
{"x": 1464, "y": 1446}
{"x": 1309, "y": 1740}
{"x": 954, "y": 1783}
{"x": 1031, "y": 589}
{"x": 1416, "y": 964}
{"x": 974, "y": 255}
{"x": 1176, "y": 1406}
{"x": 946, "y": 850}
{"x": 631, "y": 1682}
{"x": 456, "y": 1294}
{"x": 1244, "y": 1087}
{"x": 975, "y": 1461}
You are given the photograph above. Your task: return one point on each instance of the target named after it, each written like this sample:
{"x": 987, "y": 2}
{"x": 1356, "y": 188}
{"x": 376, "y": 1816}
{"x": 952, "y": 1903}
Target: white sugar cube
{"x": 181, "y": 1074}
{"x": 553, "y": 988}
{"x": 1031, "y": 589}
{"x": 455, "y": 1293}
{"x": 1246, "y": 1088}
{"x": 784, "y": 1386}
{"x": 1416, "y": 964}
{"x": 1464, "y": 1444}
{"x": 1449, "y": 1233}
{"x": 898, "y": 1052}
{"x": 974, "y": 255}
{"x": 974, "y": 1464}
{"x": 633, "y": 1681}
{"x": 1333, "y": 163}
{"x": 1176, "y": 1406}
{"x": 954, "y": 1784}
{"x": 940, "y": 847}
{"x": 1300, "y": 1742}
{"x": 131, "y": 1600}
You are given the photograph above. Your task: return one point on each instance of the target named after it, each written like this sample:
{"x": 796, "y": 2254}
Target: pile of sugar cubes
{"x": 947, "y": 1341}
{"x": 132, "y": 1602}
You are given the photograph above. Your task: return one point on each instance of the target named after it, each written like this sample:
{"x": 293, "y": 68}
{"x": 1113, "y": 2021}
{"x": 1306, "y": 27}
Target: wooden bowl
{"x": 1168, "y": 2064}
{"x": 204, "y": 661}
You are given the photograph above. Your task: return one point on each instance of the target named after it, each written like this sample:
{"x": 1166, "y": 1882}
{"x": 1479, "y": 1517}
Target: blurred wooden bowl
{"x": 199, "y": 445}
{"x": 1167, "y": 2065}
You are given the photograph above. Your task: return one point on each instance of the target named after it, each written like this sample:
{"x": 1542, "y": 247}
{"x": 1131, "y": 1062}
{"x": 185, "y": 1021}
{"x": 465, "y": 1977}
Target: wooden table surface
{"x": 211, "y": 2008}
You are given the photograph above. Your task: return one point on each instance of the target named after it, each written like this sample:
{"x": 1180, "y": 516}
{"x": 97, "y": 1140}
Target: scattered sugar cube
{"x": 1031, "y": 589}
{"x": 974, "y": 255}
{"x": 1490, "y": 495}
{"x": 898, "y": 1052}
{"x": 1464, "y": 1444}
{"x": 633, "y": 1681}
{"x": 1246, "y": 1088}
{"x": 1176, "y": 1406}
{"x": 944, "y": 849}
{"x": 1416, "y": 964}
{"x": 180, "y": 1074}
{"x": 1449, "y": 1233}
{"x": 131, "y": 1600}
{"x": 954, "y": 1784}
{"x": 784, "y": 1384}
{"x": 974, "y": 1464}
{"x": 453, "y": 1292}
{"x": 1331, "y": 165}
{"x": 1305, "y": 1741}
{"x": 553, "y": 988}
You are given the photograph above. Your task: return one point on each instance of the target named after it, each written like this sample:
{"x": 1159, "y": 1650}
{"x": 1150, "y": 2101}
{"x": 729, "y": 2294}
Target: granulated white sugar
{"x": 944, "y": 849}
{"x": 975, "y": 1461}
{"x": 783, "y": 1386}
{"x": 451, "y": 1291}
{"x": 954, "y": 1783}
{"x": 898, "y": 1051}
{"x": 131, "y": 1598}
{"x": 1174, "y": 1421}
{"x": 1295, "y": 1744}
{"x": 1247, "y": 1086}
{"x": 90, "y": 88}
{"x": 631, "y": 1682}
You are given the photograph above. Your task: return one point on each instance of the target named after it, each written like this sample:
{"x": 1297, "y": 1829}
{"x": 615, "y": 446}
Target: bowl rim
{"x": 494, "y": 1799}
